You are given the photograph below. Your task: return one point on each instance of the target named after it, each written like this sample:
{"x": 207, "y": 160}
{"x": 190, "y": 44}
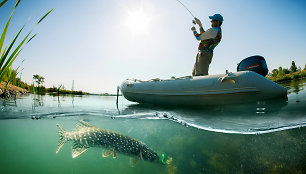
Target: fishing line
{"x": 186, "y": 8}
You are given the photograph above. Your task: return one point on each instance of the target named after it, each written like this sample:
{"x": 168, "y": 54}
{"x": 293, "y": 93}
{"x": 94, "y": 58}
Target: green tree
{"x": 286, "y": 71}
{"x": 274, "y": 72}
{"x": 280, "y": 71}
{"x": 293, "y": 67}
{"x": 39, "y": 80}
{"x": 305, "y": 67}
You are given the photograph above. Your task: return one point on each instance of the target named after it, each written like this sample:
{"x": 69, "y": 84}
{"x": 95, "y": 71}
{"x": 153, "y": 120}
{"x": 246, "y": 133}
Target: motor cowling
{"x": 254, "y": 63}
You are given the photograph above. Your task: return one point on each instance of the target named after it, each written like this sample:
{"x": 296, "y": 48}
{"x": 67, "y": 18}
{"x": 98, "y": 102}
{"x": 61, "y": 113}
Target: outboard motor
{"x": 254, "y": 63}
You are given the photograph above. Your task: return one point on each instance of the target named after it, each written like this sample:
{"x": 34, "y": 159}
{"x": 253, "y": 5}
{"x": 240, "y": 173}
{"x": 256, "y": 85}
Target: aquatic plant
{"x": 9, "y": 55}
{"x": 10, "y": 76}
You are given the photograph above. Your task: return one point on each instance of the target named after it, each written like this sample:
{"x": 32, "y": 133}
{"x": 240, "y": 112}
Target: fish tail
{"x": 62, "y": 138}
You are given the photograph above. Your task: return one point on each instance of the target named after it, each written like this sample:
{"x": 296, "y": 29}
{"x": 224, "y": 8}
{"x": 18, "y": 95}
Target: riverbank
{"x": 11, "y": 90}
{"x": 288, "y": 77}
{"x": 14, "y": 90}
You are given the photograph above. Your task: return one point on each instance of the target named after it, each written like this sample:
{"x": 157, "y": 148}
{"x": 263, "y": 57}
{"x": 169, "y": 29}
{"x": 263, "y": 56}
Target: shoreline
{"x": 15, "y": 90}
{"x": 11, "y": 90}
{"x": 288, "y": 77}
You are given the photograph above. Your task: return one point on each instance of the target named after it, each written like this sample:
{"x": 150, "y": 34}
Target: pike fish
{"x": 87, "y": 135}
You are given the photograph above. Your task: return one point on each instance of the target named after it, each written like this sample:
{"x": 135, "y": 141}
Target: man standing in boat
{"x": 208, "y": 41}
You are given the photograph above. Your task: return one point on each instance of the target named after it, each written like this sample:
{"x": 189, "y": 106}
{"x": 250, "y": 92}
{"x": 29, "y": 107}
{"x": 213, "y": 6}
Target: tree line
{"x": 37, "y": 85}
{"x": 40, "y": 89}
{"x": 285, "y": 74}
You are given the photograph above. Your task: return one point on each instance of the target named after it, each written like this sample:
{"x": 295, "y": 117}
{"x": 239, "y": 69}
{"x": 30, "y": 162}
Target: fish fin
{"x": 62, "y": 138}
{"x": 107, "y": 153}
{"x": 140, "y": 156}
{"x": 82, "y": 124}
{"x": 114, "y": 155}
{"x": 133, "y": 161}
{"x": 77, "y": 149}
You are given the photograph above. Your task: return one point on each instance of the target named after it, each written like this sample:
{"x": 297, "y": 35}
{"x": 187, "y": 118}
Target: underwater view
{"x": 61, "y": 63}
{"x": 260, "y": 137}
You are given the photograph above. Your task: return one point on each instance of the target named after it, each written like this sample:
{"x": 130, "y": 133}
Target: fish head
{"x": 148, "y": 154}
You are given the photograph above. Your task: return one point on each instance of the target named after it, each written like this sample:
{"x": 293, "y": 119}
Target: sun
{"x": 137, "y": 21}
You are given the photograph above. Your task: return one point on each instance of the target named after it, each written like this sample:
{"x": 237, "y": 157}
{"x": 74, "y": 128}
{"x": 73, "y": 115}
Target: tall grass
{"x": 10, "y": 76}
{"x": 9, "y": 54}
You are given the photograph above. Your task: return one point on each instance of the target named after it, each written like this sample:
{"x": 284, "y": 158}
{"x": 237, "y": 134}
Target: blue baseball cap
{"x": 217, "y": 17}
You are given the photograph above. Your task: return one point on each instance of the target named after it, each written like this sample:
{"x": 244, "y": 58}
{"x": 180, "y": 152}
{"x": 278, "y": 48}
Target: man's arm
{"x": 195, "y": 33}
{"x": 201, "y": 29}
{"x": 209, "y": 34}
{"x": 200, "y": 25}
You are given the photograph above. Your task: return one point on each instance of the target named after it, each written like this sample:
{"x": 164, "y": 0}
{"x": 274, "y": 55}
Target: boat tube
{"x": 228, "y": 88}
{"x": 249, "y": 84}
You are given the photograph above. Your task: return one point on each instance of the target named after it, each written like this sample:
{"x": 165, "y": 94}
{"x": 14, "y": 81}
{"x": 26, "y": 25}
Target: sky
{"x": 100, "y": 43}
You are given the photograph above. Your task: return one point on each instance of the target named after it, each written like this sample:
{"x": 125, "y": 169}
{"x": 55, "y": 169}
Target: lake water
{"x": 259, "y": 137}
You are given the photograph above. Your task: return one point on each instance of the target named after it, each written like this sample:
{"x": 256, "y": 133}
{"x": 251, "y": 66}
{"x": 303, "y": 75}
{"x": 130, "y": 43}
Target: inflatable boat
{"x": 248, "y": 84}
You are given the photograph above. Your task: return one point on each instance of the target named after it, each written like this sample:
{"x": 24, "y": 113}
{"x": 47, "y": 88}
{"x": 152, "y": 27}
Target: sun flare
{"x": 138, "y": 21}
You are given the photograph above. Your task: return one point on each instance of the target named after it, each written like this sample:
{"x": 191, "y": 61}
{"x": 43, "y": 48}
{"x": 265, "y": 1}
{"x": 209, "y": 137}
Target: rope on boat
{"x": 158, "y": 79}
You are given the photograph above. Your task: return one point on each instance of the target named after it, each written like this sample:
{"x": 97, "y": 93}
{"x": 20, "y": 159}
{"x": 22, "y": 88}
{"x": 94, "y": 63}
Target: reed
{"x": 10, "y": 76}
{"x": 9, "y": 55}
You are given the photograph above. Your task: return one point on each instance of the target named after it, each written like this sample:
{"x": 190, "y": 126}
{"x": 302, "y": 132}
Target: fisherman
{"x": 208, "y": 41}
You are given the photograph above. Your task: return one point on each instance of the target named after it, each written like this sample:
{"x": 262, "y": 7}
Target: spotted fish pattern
{"x": 87, "y": 135}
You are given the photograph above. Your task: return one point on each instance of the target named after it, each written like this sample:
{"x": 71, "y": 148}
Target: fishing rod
{"x": 193, "y": 21}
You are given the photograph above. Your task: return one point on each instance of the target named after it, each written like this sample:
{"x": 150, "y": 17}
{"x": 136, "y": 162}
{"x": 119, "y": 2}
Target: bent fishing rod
{"x": 193, "y": 21}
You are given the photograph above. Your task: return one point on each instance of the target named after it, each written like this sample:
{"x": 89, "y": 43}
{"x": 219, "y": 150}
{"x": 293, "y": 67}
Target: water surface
{"x": 259, "y": 137}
